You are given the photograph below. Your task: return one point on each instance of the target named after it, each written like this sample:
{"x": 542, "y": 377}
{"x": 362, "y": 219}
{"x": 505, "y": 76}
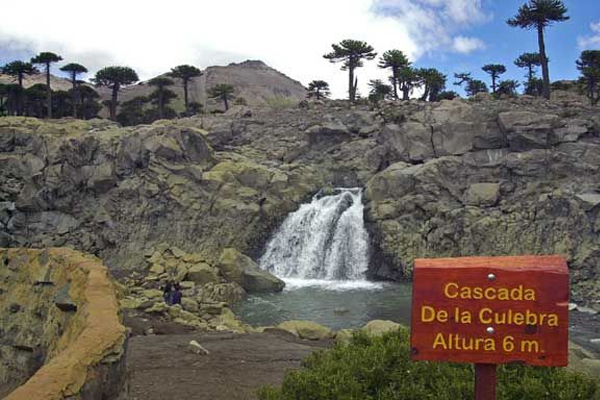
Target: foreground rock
{"x": 76, "y": 351}
{"x": 306, "y": 330}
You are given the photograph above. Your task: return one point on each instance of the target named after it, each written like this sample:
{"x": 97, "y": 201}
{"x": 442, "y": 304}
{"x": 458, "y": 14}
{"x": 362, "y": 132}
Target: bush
{"x": 381, "y": 369}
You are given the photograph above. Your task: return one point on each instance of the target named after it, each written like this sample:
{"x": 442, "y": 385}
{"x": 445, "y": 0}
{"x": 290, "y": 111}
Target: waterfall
{"x": 325, "y": 239}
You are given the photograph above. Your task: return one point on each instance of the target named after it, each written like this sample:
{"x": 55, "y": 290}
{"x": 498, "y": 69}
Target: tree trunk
{"x": 226, "y": 103}
{"x": 395, "y": 83}
{"x": 544, "y": 60}
{"x": 161, "y": 104}
{"x": 20, "y": 96}
{"x": 351, "y": 88}
{"x": 74, "y": 94}
{"x": 48, "y": 91}
{"x": 493, "y": 84}
{"x": 113, "y": 102}
{"x": 405, "y": 92}
{"x": 530, "y": 66}
{"x": 185, "y": 96}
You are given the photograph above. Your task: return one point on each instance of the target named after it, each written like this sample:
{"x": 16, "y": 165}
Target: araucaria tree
{"x": 589, "y": 66}
{"x": 494, "y": 70}
{"x": 46, "y": 59}
{"x": 408, "y": 79}
{"x": 433, "y": 83}
{"x": 529, "y": 61}
{"x": 538, "y": 14}
{"x": 318, "y": 90}
{"x": 186, "y": 73}
{"x": 396, "y": 61}
{"x": 74, "y": 69}
{"x": 351, "y": 53}
{"x": 115, "y": 78}
{"x": 160, "y": 83}
{"x": 379, "y": 91}
{"x": 223, "y": 92}
{"x": 473, "y": 87}
{"x": 18, "y": 70}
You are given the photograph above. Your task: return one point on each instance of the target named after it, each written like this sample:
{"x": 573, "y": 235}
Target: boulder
{"x": 327, "y": 134}
{"x": 379, "y": 327}
{"x": 526, "y": 130}
{"x": 202, "y": 274}
{"x": 344, "y": 336}
{"x": 483, "y": 194}
{"x": 307, "y": 330}
{"x": 103, "y": 178}
{"x": 239, "y": 268}
{"x": 196, "y": 348}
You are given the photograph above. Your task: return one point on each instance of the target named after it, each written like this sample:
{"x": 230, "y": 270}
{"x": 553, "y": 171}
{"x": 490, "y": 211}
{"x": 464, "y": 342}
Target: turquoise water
{"x": 337, "y": 305}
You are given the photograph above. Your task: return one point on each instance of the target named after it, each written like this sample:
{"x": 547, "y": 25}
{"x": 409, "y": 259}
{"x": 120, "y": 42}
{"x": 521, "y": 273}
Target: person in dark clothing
{"x": 176, "y": 295}
{"x": 168, "y": 293}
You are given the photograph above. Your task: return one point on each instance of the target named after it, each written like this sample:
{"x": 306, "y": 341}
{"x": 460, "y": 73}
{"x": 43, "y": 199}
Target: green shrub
{"x": 381, "y": 369}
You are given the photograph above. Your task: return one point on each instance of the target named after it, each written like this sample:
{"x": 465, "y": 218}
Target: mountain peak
{"x": 256, "y": 64}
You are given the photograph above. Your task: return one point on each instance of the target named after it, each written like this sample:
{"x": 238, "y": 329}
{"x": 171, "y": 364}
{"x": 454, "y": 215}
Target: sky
{"x": 292, "y": 36}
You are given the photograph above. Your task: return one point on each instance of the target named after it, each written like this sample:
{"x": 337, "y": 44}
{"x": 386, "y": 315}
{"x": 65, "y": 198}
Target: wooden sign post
{"x": 489, "y": 311}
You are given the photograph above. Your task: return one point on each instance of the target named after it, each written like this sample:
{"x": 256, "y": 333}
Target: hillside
{"x": 254, "y": 81}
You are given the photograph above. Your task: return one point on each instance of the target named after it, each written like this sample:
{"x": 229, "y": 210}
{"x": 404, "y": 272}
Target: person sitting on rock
{"x": 176, "y": 295}
{"x": 168, "y": 293}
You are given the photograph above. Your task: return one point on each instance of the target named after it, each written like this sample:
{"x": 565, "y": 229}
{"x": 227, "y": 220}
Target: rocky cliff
{"x": 458, "y": 177}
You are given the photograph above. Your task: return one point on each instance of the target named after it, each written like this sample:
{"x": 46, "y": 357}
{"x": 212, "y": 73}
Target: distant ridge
{"x": 254, "y": 81}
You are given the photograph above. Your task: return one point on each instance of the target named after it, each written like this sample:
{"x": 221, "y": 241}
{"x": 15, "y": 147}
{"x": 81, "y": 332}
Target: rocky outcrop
{"x": 483, "y": 176}
{"x": 62, "y": 334}
{"x": 535, "y": 195}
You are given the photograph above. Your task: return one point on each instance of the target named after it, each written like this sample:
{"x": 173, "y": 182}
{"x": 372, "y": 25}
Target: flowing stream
{"x": 321, "y": 251}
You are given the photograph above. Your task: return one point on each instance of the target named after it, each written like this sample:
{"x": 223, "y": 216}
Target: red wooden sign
{"x": 491, "y": 310}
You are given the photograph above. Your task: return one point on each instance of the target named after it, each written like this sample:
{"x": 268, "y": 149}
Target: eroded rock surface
{"x": 516, "y": 176}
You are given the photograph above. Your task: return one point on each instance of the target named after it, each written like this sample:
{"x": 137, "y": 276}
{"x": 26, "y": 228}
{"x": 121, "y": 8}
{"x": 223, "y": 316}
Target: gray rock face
{"x": 483, "y": 176}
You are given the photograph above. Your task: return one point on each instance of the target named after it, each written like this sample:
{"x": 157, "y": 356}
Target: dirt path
{"x": 161, "y": 367}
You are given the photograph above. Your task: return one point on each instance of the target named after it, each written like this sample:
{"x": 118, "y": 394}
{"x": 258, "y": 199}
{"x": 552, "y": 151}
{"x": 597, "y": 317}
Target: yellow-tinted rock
{"x": 307, "y": 330}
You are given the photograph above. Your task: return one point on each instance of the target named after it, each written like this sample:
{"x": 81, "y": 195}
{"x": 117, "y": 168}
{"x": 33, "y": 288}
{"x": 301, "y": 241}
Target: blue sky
{"x": 503, "y": 43}
{"x": 292, "y": 36}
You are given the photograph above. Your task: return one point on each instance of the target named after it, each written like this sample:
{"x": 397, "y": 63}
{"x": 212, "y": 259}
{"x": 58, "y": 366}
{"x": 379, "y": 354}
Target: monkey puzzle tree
{"x": 529, "y": 61}
{"x": 379, "y": 91}
{"x": 318, "y": 89}
{"x": 47, "y": 58}
{"x": 395, "y": 60}
{"x": 160, "y": 83}
{"x": 538, "y": 14}
{"x": 508, "y": 88}
{"x": 351, "y": 53}
{"x": 186, "y": 73}
{"x": 18, "y": 70}
{"x": 589, "y": 66}
{"x": 433, "y": 83}
{"x": 475, "y": 86}
{"x": 223, "y": 92}
{"x": 494, "y": 70}
{"x": 115, "y": 78}
{"x": 74, "y": 69}
{"x": 408, "y": 79}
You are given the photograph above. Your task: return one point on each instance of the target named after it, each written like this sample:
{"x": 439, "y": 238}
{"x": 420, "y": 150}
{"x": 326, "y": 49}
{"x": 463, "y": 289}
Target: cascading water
{"x": 324, "y": 240}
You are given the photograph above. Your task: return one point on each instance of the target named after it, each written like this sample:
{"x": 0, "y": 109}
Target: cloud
{"x": 466, "y": 45}
{"x": 588, "y": 42}
{"x": 433, "y": 23}
{"x": 290, "y": 36}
